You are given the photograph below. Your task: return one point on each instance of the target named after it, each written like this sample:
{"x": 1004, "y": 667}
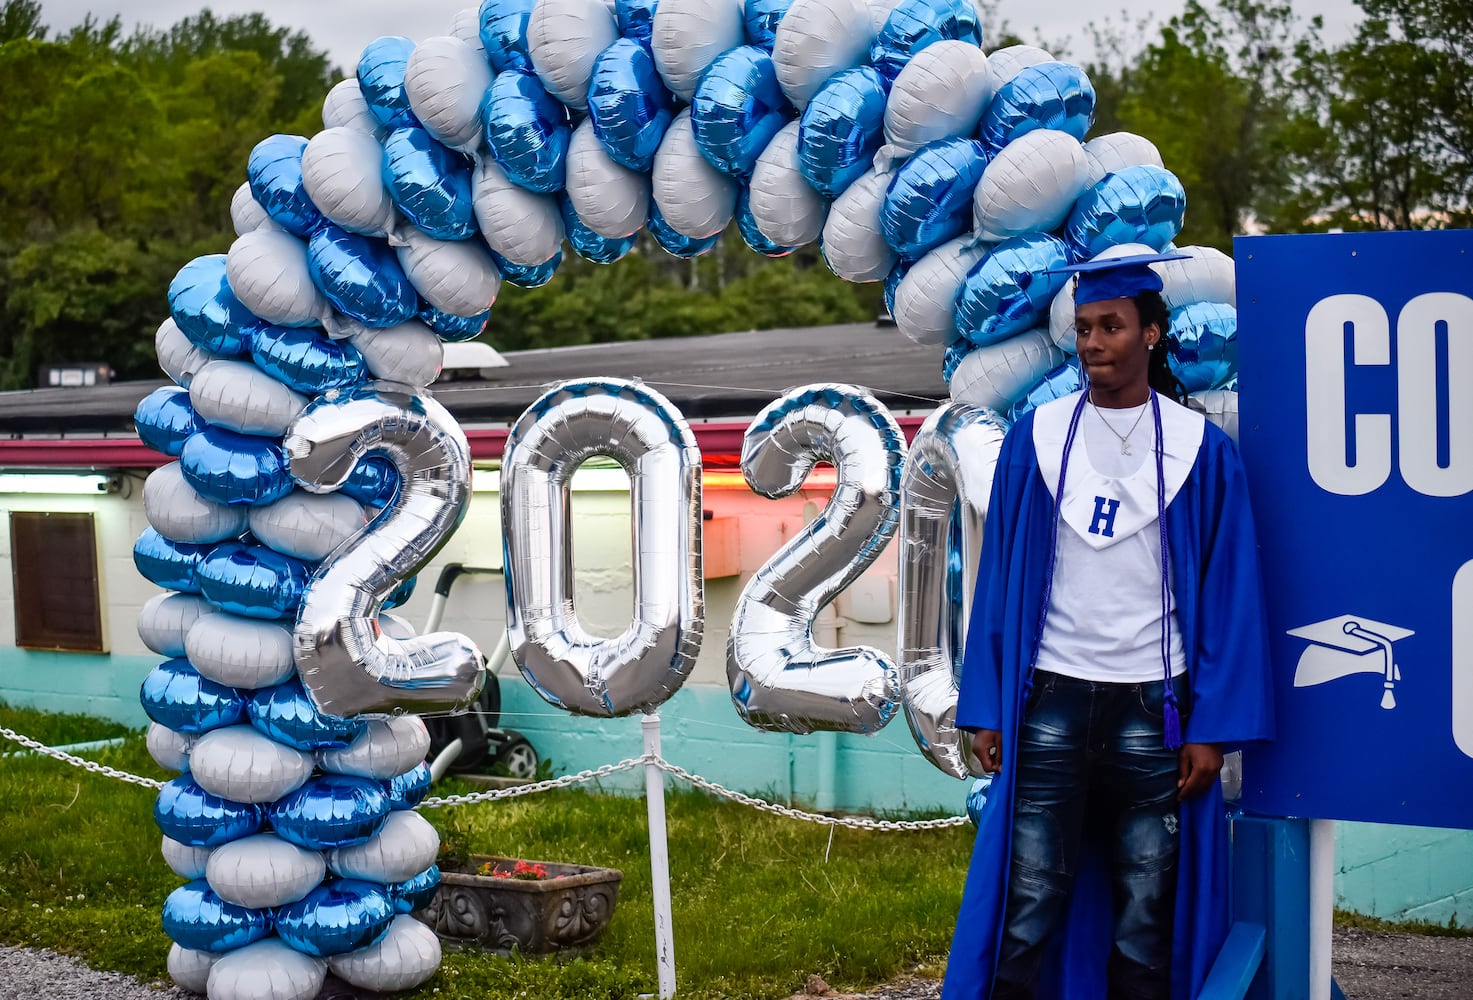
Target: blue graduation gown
{"x": 1220, "y": 612}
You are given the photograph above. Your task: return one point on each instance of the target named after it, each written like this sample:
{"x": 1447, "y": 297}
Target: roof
{"x": 723, "y": 375}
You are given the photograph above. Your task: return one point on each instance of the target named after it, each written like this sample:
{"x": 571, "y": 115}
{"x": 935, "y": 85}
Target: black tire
{"x": 519, "y": 758}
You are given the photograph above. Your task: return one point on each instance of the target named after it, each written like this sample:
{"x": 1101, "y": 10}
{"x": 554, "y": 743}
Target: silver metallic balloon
{"x": 780, "y": 679}
{"x": 951, "y": 462}
{"x": 346, "y": 662}
{"x": 644, "y": 665}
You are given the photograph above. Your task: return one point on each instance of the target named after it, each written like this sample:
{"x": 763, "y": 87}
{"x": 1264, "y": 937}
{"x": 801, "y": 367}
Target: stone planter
{"x": 570, "y": 908}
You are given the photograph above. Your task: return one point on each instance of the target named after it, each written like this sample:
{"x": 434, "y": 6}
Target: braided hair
{"x": 1152, "y": 309}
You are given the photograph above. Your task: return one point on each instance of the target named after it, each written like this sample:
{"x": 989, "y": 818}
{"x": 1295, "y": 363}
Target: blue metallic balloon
{"x": 167, "y": 563}
{"x": 751, "y": 235}
{"x": 842, "y": 129}
{"x": 207, "y": 311}
{"x": 336, "y": 917}
{"x": 737, "y": 109}
{"x": 165, "y": 420}
{"x": 454, "y": 329}
{"x": 977, "y": 798}
{"x": 361, "y": 277}
{"x": 676, "y": 243}
{"x": 952, "y": 357}
{"x": 1050, "y": 95}
{"x": 373, "y": 481}
{"x": 1063, "y": 380}
{"x": 306, "y": 359}
{"x": 286, "y": 714}
{"x": 504, "y": 33}
{"x": 381, "y": 78}
{"x": 401, "y": 594}
{"x": 528, "y": 275}
{"x": 415, "y": 893}
{"x": 1205, "y": 355}
{"x": 930, "y": 198}
{"x": 275, "y": 174}
{"x": 194, "y": 917}
{"x": 253, "y": 581}
{"x": 892, "y": 283}
{"x": 628, "y": 104}
{"x": 408, "y": 790}
{"x": 187, "y": 813}
{"x": 330, "y": 810}
{"x": 232, "y": 468}
{"x": 177, "y": 697}
{"x": 761, "y": 18}
{"x": 588, "y": 244}
{"x": 1142, "y": 204}
{"x": 430, "y": 184}
{"x": 527, "y": 131}
{"x": 915, "y": 24}
{"x": 1010, "y": 290}
{"x": 636, "y": 19}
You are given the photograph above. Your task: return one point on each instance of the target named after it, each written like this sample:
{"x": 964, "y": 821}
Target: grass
{"x": 1376, "y": 925}
{"x": 757, "y": 906}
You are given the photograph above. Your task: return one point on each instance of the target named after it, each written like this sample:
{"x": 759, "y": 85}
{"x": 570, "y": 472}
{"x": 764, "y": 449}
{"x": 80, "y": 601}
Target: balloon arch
{"x": 315, "y": 474}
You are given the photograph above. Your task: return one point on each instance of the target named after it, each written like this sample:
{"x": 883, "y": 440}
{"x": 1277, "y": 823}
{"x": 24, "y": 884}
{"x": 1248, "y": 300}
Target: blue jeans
{"x": 1090, "y": 756}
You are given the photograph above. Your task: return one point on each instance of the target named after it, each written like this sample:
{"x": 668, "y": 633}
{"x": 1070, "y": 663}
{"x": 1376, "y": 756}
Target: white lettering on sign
{"x": 1462, "y": 697}
{"x": 1419, "y": 388}
{"x": 1331, "y": 464}
{"x": 1434, "y": 460}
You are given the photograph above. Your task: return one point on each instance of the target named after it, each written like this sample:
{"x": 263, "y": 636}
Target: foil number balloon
{"x": 347, "y": 664}
{"x": 951, "y": 463}
{"x": 780, "y": 680}
{"x": 642, "y": 667}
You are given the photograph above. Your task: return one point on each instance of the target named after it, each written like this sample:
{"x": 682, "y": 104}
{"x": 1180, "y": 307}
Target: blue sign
{"x": 1356, "y": 355}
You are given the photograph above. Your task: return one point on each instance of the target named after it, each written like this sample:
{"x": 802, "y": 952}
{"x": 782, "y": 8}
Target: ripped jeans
{"x": 1091, "y": 753}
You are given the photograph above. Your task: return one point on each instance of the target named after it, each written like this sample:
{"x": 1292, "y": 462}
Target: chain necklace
{"x": 1123, "y": 438}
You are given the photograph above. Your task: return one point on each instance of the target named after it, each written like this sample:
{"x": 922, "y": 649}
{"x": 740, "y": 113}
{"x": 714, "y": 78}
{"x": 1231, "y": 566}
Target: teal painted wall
{"x": 102, "y": 685}
{"x": 1392, "y": 872}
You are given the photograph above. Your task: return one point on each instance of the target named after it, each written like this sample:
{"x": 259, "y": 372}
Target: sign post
{"x": 1356, "y": 427}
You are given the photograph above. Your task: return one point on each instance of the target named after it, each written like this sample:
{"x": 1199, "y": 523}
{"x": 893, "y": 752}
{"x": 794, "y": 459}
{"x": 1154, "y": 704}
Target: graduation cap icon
{"x": 1346, "y": 645}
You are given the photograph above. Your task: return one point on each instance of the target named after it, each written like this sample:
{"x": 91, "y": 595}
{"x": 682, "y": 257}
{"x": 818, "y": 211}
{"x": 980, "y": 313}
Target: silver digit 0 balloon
{"x": 640, "y": 429}
{"x": 347, "y": 664}
{"x": 951, "y": 464}
{"x": 780, "y": 679}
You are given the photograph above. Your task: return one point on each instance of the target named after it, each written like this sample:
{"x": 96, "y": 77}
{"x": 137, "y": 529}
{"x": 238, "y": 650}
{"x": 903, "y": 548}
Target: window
{"x": 53, "y": 559}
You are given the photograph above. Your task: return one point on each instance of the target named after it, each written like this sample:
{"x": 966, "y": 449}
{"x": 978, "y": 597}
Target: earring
{"x": 1150, "y": 347}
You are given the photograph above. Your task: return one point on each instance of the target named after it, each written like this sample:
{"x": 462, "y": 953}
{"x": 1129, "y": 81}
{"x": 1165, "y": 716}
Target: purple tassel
{"x": 1173, "y": 722}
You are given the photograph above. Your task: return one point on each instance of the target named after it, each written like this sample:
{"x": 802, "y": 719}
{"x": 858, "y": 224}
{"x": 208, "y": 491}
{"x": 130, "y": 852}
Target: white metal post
{"x": 654, "y": 796}
{"x": 1321, "y": 906}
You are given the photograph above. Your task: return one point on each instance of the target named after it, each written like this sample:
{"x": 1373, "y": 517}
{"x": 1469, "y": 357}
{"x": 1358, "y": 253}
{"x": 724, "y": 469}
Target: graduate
{"x": 1117, "y": 644}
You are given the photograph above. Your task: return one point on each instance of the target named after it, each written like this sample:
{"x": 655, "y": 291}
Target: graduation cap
{"x": 1116, "y": 277}
{"x": 1349, "y": 644}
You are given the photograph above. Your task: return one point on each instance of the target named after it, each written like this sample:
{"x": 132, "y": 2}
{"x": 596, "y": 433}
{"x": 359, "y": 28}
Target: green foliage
{"x": 760, "y": 902}
{"x": 1210, "y": 92}
{"x": 1382, "y": 132}
{"x": 118, "y": 159}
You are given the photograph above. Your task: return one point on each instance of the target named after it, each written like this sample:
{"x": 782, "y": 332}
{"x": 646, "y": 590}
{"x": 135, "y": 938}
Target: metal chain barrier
{"x": 83, "y": 763}
{"x": 566, "y": 781}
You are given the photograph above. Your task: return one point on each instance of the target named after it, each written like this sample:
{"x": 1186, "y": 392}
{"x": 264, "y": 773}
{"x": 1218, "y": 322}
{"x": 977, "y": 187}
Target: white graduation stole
{"x": 1103, "y": 511}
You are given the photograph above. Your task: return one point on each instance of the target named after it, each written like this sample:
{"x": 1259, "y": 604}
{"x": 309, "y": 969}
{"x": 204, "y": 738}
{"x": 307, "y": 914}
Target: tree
{"x": 1212, "y": 93}
{"x": 1382, "y": 133}
{"x": 21, "y": 19}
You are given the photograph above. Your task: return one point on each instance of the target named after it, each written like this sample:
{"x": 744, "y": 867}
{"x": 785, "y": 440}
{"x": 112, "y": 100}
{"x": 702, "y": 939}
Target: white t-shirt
{"x": 1104, "y": 616}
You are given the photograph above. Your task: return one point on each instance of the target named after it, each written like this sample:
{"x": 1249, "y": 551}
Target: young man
{"x": 1116, "y": 644}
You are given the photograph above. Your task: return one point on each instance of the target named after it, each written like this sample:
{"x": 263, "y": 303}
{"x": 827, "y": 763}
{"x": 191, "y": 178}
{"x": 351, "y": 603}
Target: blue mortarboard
{"x": 1117, "y": 277}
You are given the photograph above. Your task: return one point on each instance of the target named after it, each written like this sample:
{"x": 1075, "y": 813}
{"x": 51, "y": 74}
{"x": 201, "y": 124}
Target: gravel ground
{"x": 1368, "y": 966}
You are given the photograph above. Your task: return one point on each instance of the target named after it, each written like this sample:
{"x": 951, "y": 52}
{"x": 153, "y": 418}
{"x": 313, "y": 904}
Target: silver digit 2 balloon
{"x": 347, "y": 664}
{"x": 780, "y": 680}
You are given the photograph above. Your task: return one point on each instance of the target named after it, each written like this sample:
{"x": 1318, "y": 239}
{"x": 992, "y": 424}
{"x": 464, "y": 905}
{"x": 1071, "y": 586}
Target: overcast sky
{"x": 343, "y": 27}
